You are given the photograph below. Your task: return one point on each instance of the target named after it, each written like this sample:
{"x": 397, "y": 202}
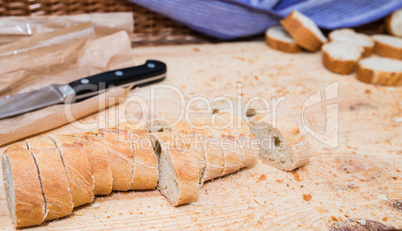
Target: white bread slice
{"x": 358, "y": 39}
{"x": 145, "y": 165}
{"x": 394, "y": 23}
{"x": 280, "y": 141}
{"x": 53, "y": 178}
{"x": 23, "y": 190}
{"x": 99, "y": 160}
{"x": 388, "y": 46}
{"x": 381, "y": 71}
{"x": 277, "y": 38}
{"x": 304, "y": 31}
{"x": 178, "y": 171}
{"x": 341, "y": 57}
{"x": 234, "y": 104}
{"x": 121, "y": 156}
{"x": 182, "y": 129}
{"x": 77, "y": 167}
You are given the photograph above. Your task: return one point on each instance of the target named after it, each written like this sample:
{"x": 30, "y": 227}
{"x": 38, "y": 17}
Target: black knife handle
{"x": 151, "y": 71}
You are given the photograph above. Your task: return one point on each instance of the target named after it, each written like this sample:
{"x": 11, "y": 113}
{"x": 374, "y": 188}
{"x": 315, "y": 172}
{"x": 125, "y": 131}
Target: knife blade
{"x": 150, "y": 72}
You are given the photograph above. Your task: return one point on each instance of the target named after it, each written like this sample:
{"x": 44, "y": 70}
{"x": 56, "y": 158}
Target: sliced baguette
{"x": 245, "y": 141}
{"x": 340, "y": 57}
{"x": 233, "y": 157}
{"x": 304, "y": 31}
{"x": 99, "y": 161}
{"x": 21, "y": 182}
{"x": 277, "y": 38}
{"x": 178, "y": 171}
{"x": 121, "y": 156}
{"x": 77, "y": 167}
{"x": 394, "y": 23}
{"x": 280, "y": 141}
{"x": 145, "y": 165}
{"x": 388, "y": 46}
{"x": 53, "y": 178}
{"x": 188, "y": 136}
{"x": 214, "y": 158}
{"x": 381, "y": 71}
{"x": 358, "y": 39}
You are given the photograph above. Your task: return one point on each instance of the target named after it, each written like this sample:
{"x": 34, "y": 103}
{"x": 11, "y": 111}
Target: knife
{"x": 150, "y": 72}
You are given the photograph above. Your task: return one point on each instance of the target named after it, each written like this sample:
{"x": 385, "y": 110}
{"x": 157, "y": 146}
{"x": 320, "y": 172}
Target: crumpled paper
{"x": 59, "y": 57}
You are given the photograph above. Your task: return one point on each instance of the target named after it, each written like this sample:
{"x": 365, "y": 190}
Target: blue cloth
{"x": 230, "y": 19}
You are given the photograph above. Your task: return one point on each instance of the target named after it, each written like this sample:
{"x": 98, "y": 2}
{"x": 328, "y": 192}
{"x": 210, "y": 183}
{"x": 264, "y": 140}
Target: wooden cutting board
{"x": 356, "y": 184}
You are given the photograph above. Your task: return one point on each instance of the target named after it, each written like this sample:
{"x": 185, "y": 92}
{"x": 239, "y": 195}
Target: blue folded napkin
{"x": 230, "y": 19}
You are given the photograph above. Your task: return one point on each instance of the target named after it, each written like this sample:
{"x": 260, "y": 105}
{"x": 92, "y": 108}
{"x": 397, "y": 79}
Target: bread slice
{"x": 304, "y": 31}
{"x": 53, "y": 178}
{"x": 245, "y": 141}
{"x": 178, "y": 171}
{"x": 381, "y": 71}
{"x": 77, "y": 167}
{"x": 388, "y": 46}
{"x": 236, "y": 105}
{"x": 23, "y": 190}
{"x": 394, "y": 23}
{"x": 121, "y": 156}
{"x": 277, "y": 38}
{"x": 145, "y": 165}
{"x": 280, "y": 141}
{"x": 358, "y": 39}
{"x": 99, "y": 161}
{"x": 340, "y": 57}
{"x": 233, "y": 157}
{"x": 188, "y": 135}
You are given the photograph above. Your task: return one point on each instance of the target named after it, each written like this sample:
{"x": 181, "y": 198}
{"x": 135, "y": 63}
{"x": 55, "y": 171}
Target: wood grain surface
{"x": 355, "y": 185}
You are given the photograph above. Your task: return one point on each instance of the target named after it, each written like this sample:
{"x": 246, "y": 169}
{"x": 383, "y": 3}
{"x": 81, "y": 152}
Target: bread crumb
{"x": 362, "y": 221}
{"x": 382, "y": 197}
{"x": 79, "y": 213}
{"x": 307, "y": 197}
{"x": 334, "y": 218}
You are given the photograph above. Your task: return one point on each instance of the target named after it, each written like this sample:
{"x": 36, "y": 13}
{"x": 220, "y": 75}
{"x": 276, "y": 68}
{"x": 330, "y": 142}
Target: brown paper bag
{"x": 59, "y": 56}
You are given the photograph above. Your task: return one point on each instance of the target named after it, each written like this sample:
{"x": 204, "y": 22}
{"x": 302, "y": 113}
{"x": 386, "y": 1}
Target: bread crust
{"x": 99, "y": 161}
{"x": 303, "y": 35}
{"x": 378, "y": 77}
{"x": 280, "y": 45}
{"x": 77, "y": 167}
{"x": 29, "y": 203}
{"x": 385, "y": 50}
{"x": 342, "y": 67}
{"x": 246, "y": 142}
{"x": 59, "y": 201}
{"x": 233, "y": 157}
{"x": 184, "y": 165}
{"x": 145, "y": 167}
{"x": 388, "y": 24}
{"x": 121, "y": 156}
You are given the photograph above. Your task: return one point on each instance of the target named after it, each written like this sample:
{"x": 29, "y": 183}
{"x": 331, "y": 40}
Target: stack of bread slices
{"x": 45, "y": 178}
{"x": 346, "y": 50}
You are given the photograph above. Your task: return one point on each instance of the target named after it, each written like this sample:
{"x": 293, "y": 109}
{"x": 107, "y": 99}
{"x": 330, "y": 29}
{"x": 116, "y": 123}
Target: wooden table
{"x": 360, "y": 179}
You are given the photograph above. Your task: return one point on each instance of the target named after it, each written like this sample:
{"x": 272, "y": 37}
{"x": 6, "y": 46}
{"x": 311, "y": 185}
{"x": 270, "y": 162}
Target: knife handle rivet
{"x": 151, "y": 65}
{"x": 84, "y": 81}
{"x": 118, "y": 73}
